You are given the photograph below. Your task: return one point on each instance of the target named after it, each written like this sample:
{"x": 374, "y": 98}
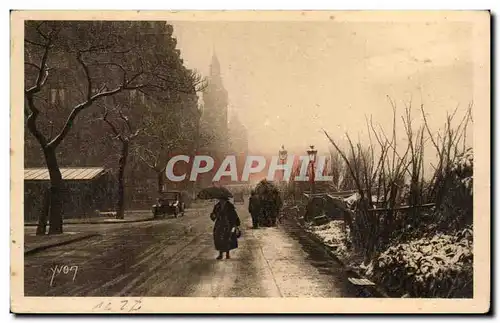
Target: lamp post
{"x": 312, "y": 160}
{"x": 283, "y": 155}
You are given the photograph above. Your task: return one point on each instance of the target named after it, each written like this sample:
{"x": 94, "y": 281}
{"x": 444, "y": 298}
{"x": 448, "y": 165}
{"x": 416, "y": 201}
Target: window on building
{"x": 53, "y": 96}
{"x": 132, "y": 95}
{"x": 62, "y": 98}
{"x": 57, "y": 96}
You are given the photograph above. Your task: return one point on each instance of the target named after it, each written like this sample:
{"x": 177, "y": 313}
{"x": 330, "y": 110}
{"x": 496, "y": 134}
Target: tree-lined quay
{"x": 117, "y": 123}
{"x": 83, "y": 78}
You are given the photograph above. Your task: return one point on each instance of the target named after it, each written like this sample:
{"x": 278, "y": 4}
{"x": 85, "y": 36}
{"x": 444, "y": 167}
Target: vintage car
{"x": 169, "y": 203}
{"x": 187, "y": 198}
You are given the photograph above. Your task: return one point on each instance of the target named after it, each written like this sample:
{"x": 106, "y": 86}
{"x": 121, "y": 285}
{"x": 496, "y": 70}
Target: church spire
{"x": 215, "y": 66}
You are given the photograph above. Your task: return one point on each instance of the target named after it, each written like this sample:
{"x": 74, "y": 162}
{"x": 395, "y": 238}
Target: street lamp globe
{"x": 312, "y": 153}
{"x": 283, "y": 153}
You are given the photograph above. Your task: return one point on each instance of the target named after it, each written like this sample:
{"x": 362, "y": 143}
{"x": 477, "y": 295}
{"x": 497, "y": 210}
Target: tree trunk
{"x": 196, "y": 149}
{"x": 56, "y": 183}
{"x": 41, "y": 228}
{"x": 120, "y": 207}
{"x": 159, "y": 177}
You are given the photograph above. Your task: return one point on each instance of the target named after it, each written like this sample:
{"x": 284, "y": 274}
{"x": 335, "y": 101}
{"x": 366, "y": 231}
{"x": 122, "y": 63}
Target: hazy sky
{"x": 287, "y": 80}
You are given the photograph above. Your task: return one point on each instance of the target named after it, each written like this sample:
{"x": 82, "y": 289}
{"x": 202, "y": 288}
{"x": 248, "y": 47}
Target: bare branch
{"x": 32, "y": 65}
{"x": 125, "y": 120}
{"x": 393, "y": 131}
{"x": 76, "y": 110}
{"x": 111, "y": 125}
{"x": 34, "y": 43}
{"x": 39, "y": 30}
{"x": 431, "y": 136}
{"x": 135, "y": 134}
{"x": 41, "y": 78}
{"x": 351, "y": 170}
{"x": 87, "y": 74}
{"x": 389, "y": 143}
{"x": 43, "y": 71}
{"x": 199, "y": 82}
{"x": 125, "y": 51}
{"x": 96, "y": 48}
{"x": 135, "y": 76}
{"x": 31, "y": 121}
{"x": 153, "y": 165}
{"x": 370, "y": 138}
{"x": 124, "y": 80}
{"x": 469, "y": 117}
{"x": 168, "y": 86}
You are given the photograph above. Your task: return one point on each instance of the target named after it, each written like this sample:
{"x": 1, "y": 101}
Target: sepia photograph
{"x": 250, "y": 162}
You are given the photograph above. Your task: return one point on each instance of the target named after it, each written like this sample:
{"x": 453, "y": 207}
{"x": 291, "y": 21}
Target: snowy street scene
{"x": 254, "y": 158}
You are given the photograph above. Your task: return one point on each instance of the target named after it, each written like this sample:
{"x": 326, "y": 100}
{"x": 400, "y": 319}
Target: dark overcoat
{"x": 225, "y": 217}
{"x": 253, "y": 205}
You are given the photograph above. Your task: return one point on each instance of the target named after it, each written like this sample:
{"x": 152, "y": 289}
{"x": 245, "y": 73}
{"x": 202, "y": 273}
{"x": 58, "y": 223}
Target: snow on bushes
{"x": 333, "y": 234}
{"x": 455, "y": 210}
{"x": 439, "y": 267}
{"x": 464, "y": 164}
{"x": 463, "y": 169}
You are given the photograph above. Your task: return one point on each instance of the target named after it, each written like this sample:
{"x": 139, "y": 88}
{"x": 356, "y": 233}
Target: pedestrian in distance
{"x": 269, "y": 203}
{"x": 254, "y": 209}
{"x": 226, "y": 227}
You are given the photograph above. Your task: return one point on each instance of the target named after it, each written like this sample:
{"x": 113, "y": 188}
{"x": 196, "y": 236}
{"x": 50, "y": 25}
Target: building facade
{"x": 89, "y": 142}
{"x": 238, "y": 137}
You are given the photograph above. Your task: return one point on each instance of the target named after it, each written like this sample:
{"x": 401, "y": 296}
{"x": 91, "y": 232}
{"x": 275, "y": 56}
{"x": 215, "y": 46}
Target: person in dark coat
{"x": 278, "y": 204}
{"x": 254, "y": 209}
{"x": 226, "y": 224}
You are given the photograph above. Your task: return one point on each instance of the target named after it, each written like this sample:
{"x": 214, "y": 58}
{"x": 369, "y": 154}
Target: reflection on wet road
{"x": 176, "y": 257}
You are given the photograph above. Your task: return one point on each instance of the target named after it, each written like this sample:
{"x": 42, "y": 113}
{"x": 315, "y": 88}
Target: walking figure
{"x": 254, "y": 209}
{"x": 226, "y": 227}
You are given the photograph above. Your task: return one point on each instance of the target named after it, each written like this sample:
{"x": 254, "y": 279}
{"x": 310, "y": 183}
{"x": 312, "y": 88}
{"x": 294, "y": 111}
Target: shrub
{"x": 456, "y": 208}
{"x": 438, "y": 267}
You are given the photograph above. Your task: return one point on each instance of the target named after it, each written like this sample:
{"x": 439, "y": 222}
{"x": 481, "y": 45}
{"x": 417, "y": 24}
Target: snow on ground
{"x": 333, "y": 234}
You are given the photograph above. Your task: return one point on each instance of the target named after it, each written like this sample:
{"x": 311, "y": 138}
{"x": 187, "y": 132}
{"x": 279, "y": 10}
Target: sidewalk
{"x": 34, "y": 243}
{"x": 130, "y": 217}
{"x": 324, "y": 240}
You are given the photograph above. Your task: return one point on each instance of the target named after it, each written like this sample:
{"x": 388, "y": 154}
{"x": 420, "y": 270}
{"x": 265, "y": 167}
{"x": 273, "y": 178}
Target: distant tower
{"x": 238, "y": 136}
{"x": 215, "y": 113}
{"x": 215, "y": 101}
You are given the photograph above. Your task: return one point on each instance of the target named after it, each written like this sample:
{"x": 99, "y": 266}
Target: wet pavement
{"x": 176, "y": 257}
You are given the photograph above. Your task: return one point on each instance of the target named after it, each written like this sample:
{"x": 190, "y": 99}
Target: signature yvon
{"x": 64, "y": 270}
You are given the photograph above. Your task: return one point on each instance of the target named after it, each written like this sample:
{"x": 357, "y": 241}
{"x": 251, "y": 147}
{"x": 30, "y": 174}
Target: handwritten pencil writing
{"x": 124, "y": 305}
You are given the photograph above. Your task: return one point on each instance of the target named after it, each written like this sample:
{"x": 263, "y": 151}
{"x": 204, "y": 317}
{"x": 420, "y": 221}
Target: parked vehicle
{"x": 187, "y": 198}
{"x": 169, "y": 203}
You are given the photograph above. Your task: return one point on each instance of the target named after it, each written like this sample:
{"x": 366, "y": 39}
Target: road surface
{"x": 176, "y": 257}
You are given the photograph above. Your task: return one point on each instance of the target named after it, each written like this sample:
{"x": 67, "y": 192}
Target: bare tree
{"x": 122, "y": 131}
{"x": 110, "y": 60}
{"x": 393, "y": 170}
{"x": 448, "y": 143}
{"x": 164, "y": 134}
